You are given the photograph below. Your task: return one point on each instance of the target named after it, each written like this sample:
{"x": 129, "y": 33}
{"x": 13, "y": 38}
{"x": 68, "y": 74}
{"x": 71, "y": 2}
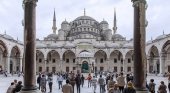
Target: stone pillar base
{"x": 31, "y": 91}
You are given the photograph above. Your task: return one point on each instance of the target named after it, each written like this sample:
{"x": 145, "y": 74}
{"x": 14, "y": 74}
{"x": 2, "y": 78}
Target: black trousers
{"x": 121, "y": 88}
{"x": 50, "y": 86}
{"x": 78, "y": 88}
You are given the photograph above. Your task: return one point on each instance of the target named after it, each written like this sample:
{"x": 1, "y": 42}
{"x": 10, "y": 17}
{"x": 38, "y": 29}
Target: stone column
{"x": 7, "y": 65}
{"x": 45, "y": 65}
{"x": 124, "y": 67}
{"x": 139, "y": 46}
{"x": 29, "y": 45}
{"x": 20, "y": 64}
{"x": 162, "y": 63}
{"x": 148, "y": 61}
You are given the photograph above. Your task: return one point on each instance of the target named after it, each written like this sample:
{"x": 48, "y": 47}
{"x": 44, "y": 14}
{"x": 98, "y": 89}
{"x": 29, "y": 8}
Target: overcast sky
{"x": 11, "y": 15}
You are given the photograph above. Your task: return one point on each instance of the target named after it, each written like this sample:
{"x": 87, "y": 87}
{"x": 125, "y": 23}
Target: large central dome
{"x": 85, "y": 27}
{"x": 84, "y": 18}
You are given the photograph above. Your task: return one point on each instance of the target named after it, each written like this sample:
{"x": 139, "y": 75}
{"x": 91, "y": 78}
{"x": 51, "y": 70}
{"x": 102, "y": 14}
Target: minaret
{"x": 114, "y": 22}
{"x": 54, "y": 23}
{"x": 84, "y": 12}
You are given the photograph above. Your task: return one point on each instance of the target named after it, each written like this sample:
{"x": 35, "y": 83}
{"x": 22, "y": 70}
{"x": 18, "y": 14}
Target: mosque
{"x": 85, "y": 45}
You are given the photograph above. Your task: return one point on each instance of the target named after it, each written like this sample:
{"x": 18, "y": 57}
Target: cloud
{"x": 12, "y": 13}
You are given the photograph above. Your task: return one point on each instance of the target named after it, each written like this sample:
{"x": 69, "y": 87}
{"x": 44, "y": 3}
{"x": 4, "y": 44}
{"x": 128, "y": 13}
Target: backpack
{"x": 152, "y": 87}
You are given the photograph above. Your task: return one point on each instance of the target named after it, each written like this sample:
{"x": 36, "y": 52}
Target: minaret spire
{"x": 84, "y": 12}
{"x": 54, "y": 28}
{"x": 114, "y": 22}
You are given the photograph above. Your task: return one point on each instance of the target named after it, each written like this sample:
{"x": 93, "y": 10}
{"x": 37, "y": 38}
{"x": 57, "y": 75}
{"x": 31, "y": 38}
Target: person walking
{"x": 50, "y": 81}
{"x": 67, "y": 88}
{"x": 121, "y": 82}
{"x": 72, "y": 81}
{"x": 94, "y": 83}
{"x": 162, "y": 88}
{"x": 11, "y": 88}
{"x": 129, "y": 88}
{"x": 152, "y": 86}
{"x": 89, "y": 80}
{"x": 111, "y": 83}
{"x": 38, "y": 80}
{"x": 60, "y": 80}
{"x": 43, "y": 82}
{"x": 82, "y": 80}
{"x": 101, "y": 82}
{"x": 78, "y": 82}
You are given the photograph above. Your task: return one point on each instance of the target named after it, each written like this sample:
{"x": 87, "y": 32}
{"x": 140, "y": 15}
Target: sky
{"x": 157, "y": 14}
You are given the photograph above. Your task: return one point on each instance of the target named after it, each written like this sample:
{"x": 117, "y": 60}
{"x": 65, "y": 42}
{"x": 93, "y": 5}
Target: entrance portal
{"x": 85, "y": 67}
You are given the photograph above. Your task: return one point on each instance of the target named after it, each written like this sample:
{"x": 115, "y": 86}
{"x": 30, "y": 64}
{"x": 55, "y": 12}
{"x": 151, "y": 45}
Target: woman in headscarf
{"x": 129, "y": 88}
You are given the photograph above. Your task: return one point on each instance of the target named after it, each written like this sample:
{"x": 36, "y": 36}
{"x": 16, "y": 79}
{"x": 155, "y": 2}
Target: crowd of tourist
{"x": 113, "y": 83}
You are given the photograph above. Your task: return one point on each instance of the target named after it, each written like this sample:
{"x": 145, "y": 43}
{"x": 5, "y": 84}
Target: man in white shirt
{"x": 60, "y": 80}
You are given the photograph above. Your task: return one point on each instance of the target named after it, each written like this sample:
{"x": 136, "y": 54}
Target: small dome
{"x": 103, "y": 22}
{"x": 161, "y": 37}
{"x": 117, "y": 36}
{"x": 85, "y": 54}
{"x": 65, "y": 22}
{"x": 7, "y": 36}
{"x": 52, "y": 36}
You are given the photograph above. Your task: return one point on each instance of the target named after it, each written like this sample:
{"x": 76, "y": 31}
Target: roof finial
{"x": 84, "y": 12}
{"x": 151, "y": 38}
{"x": 17, "y": 38}
{"x": 65, "y": 19}
{"x": 114, "y": 22}
{"x": 163, "y": 32}
{"x": 54, "y": 23}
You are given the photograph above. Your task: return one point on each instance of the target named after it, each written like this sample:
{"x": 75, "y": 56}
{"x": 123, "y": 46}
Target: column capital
{"x": 30, "y": 1}
{"x": 137, "y": 2}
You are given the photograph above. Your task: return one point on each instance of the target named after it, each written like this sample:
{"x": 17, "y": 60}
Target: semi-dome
{"x": 7, "y": 36}
{"x": 161, "y": 37}
{"x": 84, "y": 18}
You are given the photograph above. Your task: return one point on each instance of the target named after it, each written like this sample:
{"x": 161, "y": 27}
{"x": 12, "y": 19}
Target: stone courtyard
{"x": 5, "y": 82}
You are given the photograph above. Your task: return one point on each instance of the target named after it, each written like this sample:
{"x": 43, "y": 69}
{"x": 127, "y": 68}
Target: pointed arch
{"x": 3, "y": 47}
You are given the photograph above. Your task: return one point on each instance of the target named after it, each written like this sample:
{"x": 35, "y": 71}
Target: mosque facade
{"x": 87, "y": 46}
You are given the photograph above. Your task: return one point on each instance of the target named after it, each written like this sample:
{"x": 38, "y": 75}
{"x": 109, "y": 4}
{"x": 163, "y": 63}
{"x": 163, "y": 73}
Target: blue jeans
{"x": 60, "y": 84}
